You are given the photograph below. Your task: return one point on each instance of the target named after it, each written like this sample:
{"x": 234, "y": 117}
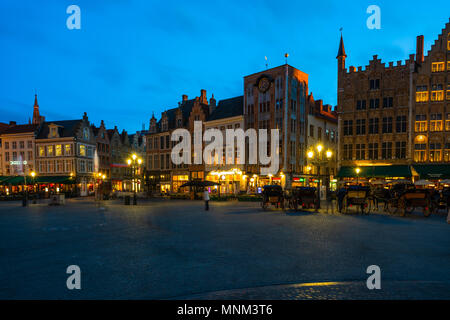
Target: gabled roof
{"x": 21, "y": 128}
{"x": 66, "y": 128}
{"x": 228, "y": 108}
{"x": 3, "y": 126}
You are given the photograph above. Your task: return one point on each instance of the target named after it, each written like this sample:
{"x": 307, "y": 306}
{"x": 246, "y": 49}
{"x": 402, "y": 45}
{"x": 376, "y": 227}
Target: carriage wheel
{"x": 427, "y": 211}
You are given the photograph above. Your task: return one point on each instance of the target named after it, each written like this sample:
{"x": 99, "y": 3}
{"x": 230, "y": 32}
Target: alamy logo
{"x": 374, "y": 20}
{"x": 213, "y": 152}
{"x": 374, "y": 281}
{"x": 74, "y": 280}
{"x": 74, "y": 20}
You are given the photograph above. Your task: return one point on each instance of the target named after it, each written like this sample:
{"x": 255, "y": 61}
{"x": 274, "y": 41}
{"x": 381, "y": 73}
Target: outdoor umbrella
{"x": 423, "y": 183}
{"x": 446, "y": 181}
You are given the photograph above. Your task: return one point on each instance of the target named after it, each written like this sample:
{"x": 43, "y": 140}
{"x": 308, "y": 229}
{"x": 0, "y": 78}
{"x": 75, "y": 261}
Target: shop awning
{"x": 432, "y": 171}
{"x": 18, "y": 180}
{"x": 394, "y": 171}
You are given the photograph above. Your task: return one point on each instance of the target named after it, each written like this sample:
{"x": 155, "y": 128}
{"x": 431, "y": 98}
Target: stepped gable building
{"x": 161, "y": 172}
{"x": 394, "y": 116}
{"x": 66, "y": 149}
{"x": 103, "y": 150}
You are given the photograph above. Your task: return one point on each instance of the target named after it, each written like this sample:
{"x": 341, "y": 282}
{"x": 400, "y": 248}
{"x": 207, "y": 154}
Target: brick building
{"x": 392, "y": 117}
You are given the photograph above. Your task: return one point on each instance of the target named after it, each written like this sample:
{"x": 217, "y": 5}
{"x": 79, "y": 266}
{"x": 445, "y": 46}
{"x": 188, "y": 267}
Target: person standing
{"x": 206, "y": 198}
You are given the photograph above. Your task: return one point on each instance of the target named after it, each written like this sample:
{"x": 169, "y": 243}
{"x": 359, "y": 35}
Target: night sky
{"x": 132, "y": 58}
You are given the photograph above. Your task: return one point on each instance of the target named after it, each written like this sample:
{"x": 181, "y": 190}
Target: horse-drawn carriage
{"x": 440, "y": 200}
{"x": 304, "y": 197}
{"x": 355, "y": 196}
{"x": 272, "y": 195}
{"x": 406, "y": 201}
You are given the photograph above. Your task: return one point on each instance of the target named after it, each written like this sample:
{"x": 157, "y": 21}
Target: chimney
{"x": 212, "y": 104}
{"x": 203, "y": 98}
{"x": 419, "y": 49}
{"x": 184, "y": 97}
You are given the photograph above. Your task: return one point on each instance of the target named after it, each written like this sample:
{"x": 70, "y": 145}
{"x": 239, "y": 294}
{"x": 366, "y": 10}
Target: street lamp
{"x": 358, "y": 170}
{"x": 319, "y": 161}
{"x": 33, "y": 174}
{"x": 134, "y": 162}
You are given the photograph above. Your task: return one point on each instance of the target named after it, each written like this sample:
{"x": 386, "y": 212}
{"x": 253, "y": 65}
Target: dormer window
{"x": 53, "y": 132}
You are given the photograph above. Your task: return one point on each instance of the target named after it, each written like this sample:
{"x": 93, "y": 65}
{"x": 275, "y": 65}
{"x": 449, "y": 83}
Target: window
{"x": 6, "y": 145}
{"x": 53, "y": 131}
{"x": 161, "y": 139}
{"x": 387, "y": 125}
{"x": 374, "y": 103}
{"x": 448, "y": 42}
{"x": 319, "y": 133}
{"x": 437, "y": 92}
{"x": 448, "y": 91}
{"x": 374, "y": 84}
{"x": 360, "y": 126}
{"x": 421, "y": 94}
{"x": 167, "y": 142}
{"x": 447, "y": 152}
{"x": 373, "y": 151}
{"x": 419, "y": 152}
{"x": 50, "y": 151}
{"x": 348, "y": 127}
{"x": 400, "y": 124}
{"x": 421, "y": 123}
{"x": 386, "y": 150}
{"x": 30, "y": 155}
{"x": 82, "y": 150}
{"x": 30, "y": 144}
{"x": 448, "y": 65}
{"x": 360, "y": 151}
{"x": 311, "y": 130}
{"x": 435, "y": 152}
{"x": 7, "y": 156}
{"x": 22, "y": 144}
{"x": 14, "y": 145}
{"x": 447, "y": 122}
{"x": 361, "y": 105}
{"x": 58, "y": 150}
{"x": 437, "y": 66}
{"x": 436, "y": 122}
{"x": 373, "y": 125}
{"x": 388, "y": 102}
{"x": 41, "y": 152}
{"x": 400, "y": 149}
{"x": 67, "y": 149}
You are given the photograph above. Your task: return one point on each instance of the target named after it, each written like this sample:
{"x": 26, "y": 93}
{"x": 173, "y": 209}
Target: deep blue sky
{"x": 132, "y": 58}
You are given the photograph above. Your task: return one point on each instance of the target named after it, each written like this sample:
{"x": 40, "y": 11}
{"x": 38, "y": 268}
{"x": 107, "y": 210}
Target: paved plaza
{"x": 173, "y": 249}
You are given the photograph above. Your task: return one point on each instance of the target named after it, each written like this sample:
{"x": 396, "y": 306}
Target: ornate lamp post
{"x": 319, "y": 160}
{"x": 134, "y": 162}
{"x": 357, "y": 170}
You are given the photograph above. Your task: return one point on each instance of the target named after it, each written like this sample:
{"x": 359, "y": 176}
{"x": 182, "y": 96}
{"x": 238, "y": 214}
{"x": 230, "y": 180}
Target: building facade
{"x": 395, "y": 116}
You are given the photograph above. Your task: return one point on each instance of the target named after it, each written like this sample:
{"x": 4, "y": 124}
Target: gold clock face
{"x": 263, "y": 84}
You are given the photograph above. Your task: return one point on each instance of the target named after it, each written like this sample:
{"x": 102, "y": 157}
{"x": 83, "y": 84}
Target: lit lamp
{"x": 357, "y": 170}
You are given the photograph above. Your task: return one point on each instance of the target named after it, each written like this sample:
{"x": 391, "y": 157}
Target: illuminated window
{"x": 58, "y": 150}
{"x": 448, "y": 65}
{"x": 82, "y": 150}
{"x": 50, "y": 150}
{"x": 421, "y": 123}
{"x": 447, "y": 152}
{"x": 447, "y": 122}
{"x": 437, "y": 66}
{"x": 421, "y": 93}
{"x": 448, "y": 41}
{"x": 435, "y": 152}
{"x": 436, "y": 122}
{"x": 419, "y": 152}
{"x": 67, "y": 150}
{"x": 437, "y": 92}
{"x": 41, "y": 151}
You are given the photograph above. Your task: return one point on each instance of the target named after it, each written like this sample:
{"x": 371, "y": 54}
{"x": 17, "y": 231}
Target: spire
{"x": 36, "y": 116}
{"x": 36, "y": 105}
{"x": 341, "y": 52}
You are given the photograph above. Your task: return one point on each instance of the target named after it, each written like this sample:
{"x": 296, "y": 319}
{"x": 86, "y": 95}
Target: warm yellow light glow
{"x": 310, "y": 154}
{"x": 134, "y": 156}
{"x": 104, "y": 177}
{"x": 33, "y": 174}
{"x": 329, "y": 154}
{"x": 129, "y": 161}
{"x": 358, "y": 170}
{"x": 270, "y": 175}
{"x": 139, "y": 160}
{"x": 252, "y": 179}
{"x": 222, "y": 177}
{"x": 319, "y": 148}
{"x": 308, "y": 168}
{"x": 71, "y": 174}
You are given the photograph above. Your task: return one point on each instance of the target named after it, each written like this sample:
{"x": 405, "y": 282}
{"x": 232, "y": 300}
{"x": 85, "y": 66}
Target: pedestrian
{"x": 206, "y": 198}
{"x": 340, "y": 197}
